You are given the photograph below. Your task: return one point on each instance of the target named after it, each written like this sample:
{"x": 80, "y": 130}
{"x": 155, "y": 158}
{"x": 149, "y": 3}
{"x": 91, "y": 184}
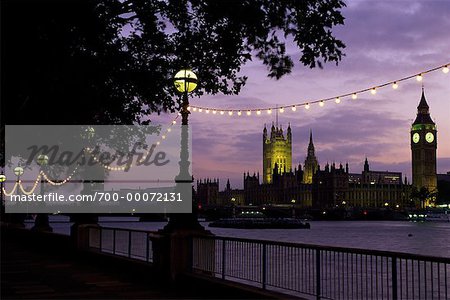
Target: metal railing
{"x": 135, "y": 244}
{"x": 320, "y": 271}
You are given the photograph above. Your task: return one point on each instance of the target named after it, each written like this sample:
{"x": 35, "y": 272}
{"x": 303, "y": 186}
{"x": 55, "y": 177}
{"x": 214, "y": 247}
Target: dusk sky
{"x": 386, "y": 40}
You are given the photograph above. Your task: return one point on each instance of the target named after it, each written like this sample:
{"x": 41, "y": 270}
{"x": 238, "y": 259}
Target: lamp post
{"x": 2, "y": 180}
{"x": 18, "y": 219}
{"x": 185, "y": 82}
{"x": 293, "y": 207}
{"x": 233, "y": 203}
{"x": 41, "y": 223}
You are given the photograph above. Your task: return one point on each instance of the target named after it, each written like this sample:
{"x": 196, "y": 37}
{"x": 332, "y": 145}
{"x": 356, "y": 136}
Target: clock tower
{"x": 423, "y": 148}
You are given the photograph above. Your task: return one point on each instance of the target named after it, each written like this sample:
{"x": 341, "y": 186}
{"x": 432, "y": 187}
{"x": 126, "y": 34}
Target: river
{"x": 427, "y": 238}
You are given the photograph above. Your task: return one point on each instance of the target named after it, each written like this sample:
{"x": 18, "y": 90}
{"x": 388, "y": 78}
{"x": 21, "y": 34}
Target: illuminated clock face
{"x": 429, "y": 137}
{"x": 416, "y": 137}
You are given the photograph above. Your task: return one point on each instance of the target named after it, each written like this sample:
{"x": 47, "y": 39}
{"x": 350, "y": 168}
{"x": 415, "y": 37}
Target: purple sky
{"x": 386, "y": 40}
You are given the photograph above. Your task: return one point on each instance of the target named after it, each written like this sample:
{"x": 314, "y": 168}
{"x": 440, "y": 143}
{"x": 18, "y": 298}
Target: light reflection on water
{"x": 427, "y": 238}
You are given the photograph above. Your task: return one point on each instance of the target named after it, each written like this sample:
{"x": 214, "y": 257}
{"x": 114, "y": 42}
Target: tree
{"x": 112, "y": 61}
{"x": 423, "y": 196}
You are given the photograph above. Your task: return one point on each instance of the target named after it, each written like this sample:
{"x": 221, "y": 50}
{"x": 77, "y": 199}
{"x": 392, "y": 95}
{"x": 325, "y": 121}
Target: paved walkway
{"x": 34, "y": 275}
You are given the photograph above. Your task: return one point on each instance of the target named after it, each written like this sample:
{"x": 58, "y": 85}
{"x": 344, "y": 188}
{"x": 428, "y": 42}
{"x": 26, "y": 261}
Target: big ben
{"x": 423, "y": 148}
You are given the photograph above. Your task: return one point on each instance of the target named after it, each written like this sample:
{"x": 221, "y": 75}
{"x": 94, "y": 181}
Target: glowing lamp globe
{"x": 18, "y": 171}
{"x": 185, "y": 81}
{"x": 42, "y": 160}
{"x": 2, "y": 178}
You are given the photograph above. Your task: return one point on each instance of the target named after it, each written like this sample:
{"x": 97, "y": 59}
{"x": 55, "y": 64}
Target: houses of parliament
{"x": 330, "y": 186}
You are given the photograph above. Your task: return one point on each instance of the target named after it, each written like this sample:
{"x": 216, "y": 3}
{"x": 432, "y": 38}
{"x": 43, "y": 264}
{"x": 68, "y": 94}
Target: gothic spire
{"x": 311, "y": 145}
{"x": 423, "y": 111}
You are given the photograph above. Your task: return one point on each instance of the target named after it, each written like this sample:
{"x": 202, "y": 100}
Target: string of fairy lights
{"x": 321, "y": 102}
{"x": 45, "y": 176}
{"x": 229, "y": 112}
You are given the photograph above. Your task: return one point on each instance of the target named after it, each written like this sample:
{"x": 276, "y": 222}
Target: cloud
{"x": 386, "y": 40}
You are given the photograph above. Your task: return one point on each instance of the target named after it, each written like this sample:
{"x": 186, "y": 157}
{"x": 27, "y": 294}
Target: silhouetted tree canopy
{"x": 112, "y": 61}
{"x": 422, "y": 195}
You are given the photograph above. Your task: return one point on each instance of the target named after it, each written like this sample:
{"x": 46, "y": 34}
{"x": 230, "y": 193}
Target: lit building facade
{"x": 277, "y": 151}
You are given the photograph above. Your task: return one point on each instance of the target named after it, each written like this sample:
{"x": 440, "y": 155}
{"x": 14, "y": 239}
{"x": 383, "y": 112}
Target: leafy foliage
{"x": 112, "y": 61}
{"x": 423, "y": 195}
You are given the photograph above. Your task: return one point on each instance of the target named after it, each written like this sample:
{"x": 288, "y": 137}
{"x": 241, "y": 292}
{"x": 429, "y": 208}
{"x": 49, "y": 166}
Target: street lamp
{"x": 18, "y": 219}
{"x": 293, "y": 207}
{"x": 2, "y": 179}
{"x": 18, "y": 171}
{"x": 41, "y": 223}
{"x": 185, "y": 82}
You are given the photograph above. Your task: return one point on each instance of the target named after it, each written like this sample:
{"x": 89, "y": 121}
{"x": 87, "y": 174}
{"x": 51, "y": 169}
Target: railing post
{"x": 147, "y": 247}
{"x": 114, "y": 241}
{"x": 318, "y": 274}
{"x": 100, "y": 243}
{"x": 264, "y": 265}
{"x": 394, "y": 277}
{"x": 129, "y": 243}
{"x": 223, "y": 258}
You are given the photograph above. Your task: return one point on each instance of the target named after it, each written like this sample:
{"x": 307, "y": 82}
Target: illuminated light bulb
{"x": 157, "y": 143}
{"x": 163, "y": 137}
{"x": 249, "y": 112}
{"x": 214, "y": 112}
{"x": 188, "y": 108}
{"x": 445, "y": 69}
{"x": 258, "y": 112}
{"x": 169, "y": 129}
{"x": 230, "y": 113}
{"x": 321, "y": 103}
{"x": 338, "y": 100}
{"x": 354, "y": 96}
{"x": 395, "y": 85}
{"x": 373, "y": 91}
{"x": 294, "y": 108}
{"x": 419, "y": 77}
{"x": 179, "y": 114}
{"x": 200, "y": 110}
{"x": 282, "y": 110}
{"x": 307, "y": 106}
{"x": 207, "y": 111}
{"x": 194, "y": 108}
{"x": 269, "y": 111}
{"x": 174, "y": 122}
{"x": 222, "y": 112}
{"x": 239, "y": 113}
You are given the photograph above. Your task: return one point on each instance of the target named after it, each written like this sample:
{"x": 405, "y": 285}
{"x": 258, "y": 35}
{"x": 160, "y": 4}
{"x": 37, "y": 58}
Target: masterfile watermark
{"x": 59, "y": 168}
{"x": 141, "y": 154}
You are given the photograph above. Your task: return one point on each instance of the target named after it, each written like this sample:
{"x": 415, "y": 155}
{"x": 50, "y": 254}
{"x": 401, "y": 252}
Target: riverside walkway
{"x": 47, "y": 266}
{"x": 99, "y": 262}
{"x": 29, "y": 273}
